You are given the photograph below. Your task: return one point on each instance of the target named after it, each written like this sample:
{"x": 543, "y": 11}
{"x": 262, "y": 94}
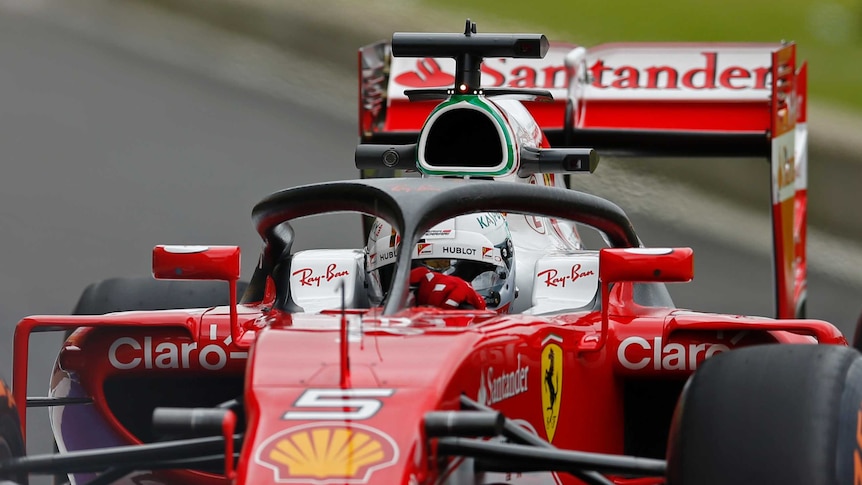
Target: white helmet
{"x": 474, "y": 247}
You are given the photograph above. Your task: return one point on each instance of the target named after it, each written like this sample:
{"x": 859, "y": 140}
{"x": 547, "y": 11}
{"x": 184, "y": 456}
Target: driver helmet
{"x": 474, "y": 247}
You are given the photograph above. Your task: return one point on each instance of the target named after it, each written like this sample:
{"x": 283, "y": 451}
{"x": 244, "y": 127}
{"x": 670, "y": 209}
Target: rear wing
{"x": 387, "y": 116}
{"x": 647, "y": 100}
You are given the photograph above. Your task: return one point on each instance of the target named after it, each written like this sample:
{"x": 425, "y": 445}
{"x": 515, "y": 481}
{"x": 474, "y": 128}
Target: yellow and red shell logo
{"x": 325, "y": 453}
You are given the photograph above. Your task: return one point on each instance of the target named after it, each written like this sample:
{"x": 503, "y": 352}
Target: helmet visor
{"x": 486, "y": 281}
{"x": 439, "y": 265}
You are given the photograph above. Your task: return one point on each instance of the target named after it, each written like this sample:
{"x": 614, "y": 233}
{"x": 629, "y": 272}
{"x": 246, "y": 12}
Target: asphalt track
{"x": 106, "y": 154}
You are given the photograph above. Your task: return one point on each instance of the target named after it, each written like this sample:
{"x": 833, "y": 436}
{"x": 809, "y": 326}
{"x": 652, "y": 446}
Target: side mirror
{"x": 196, "y": 262}
{"x": 642, "y": 265}
{"x": 646, "y": 265}
{"x": 202, "y": 263}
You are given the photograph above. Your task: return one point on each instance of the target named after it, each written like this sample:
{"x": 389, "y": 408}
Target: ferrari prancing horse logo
{"x": 552, "y": 386}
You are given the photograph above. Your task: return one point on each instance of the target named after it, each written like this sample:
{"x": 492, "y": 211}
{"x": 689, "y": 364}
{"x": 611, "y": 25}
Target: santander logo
{"x": 548, "y": 73}
{"x": 428, "y": 74}
{"x": 662, "y": 76}
{"x": 630, "y": 71}
{"x": 680, "y": 72}
{"x": 495, "y": 73}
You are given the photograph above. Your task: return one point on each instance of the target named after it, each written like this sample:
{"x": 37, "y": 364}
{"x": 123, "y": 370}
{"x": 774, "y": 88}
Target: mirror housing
{"x": 637, "y": 265}
{"x": 646, "y": 265}
{"x": 175, "y": 262}
{"x": 178, "y": 262}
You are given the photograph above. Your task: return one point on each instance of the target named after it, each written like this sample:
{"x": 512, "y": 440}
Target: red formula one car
{"x": 579, "y": 369}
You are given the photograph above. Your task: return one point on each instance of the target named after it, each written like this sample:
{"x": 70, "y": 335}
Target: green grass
{"x": 828, "y": 33}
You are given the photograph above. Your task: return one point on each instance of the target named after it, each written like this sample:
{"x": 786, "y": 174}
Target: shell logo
{"x": 327, "y": 453}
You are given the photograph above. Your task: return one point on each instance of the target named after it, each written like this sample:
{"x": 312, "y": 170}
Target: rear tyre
{"x": 857, "y": 335}
{"x": 770, "y": 414}
{"x": 133, "y": 294}
{"x": 143, "y": 294}
{"x": 11, "y": 439}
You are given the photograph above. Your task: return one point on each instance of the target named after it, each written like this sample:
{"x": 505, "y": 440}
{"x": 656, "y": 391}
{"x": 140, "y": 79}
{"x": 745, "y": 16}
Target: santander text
{"x": 709, "y": 76}
{"x": 507, "y": 384}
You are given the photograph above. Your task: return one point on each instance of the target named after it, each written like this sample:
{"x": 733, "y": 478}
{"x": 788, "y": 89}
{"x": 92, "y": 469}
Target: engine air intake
{"x": 463, "y": 138}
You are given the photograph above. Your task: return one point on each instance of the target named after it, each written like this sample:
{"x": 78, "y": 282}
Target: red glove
{"x": 443, "y": 291}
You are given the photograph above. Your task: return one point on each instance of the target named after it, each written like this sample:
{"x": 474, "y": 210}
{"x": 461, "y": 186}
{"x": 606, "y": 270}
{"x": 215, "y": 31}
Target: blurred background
{"x": 130, "y": 123}
{"x": 828, "y": 32}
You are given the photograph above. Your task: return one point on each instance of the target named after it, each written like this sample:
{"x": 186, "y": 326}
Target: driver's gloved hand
{"x": 443, "y": 291}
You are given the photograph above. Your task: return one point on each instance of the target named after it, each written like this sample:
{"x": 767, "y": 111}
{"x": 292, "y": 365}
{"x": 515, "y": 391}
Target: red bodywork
{"x": 341, "y": 396}
{"x": 304, "y": 426}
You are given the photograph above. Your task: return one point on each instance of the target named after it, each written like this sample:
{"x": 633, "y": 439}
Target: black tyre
{"x": 857, "y": 335}
{"x": 784, "y": 414}
{"x": 141, "y": 294}
{"x": 132, "y": 294}
{"x": 11, "y": 439}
